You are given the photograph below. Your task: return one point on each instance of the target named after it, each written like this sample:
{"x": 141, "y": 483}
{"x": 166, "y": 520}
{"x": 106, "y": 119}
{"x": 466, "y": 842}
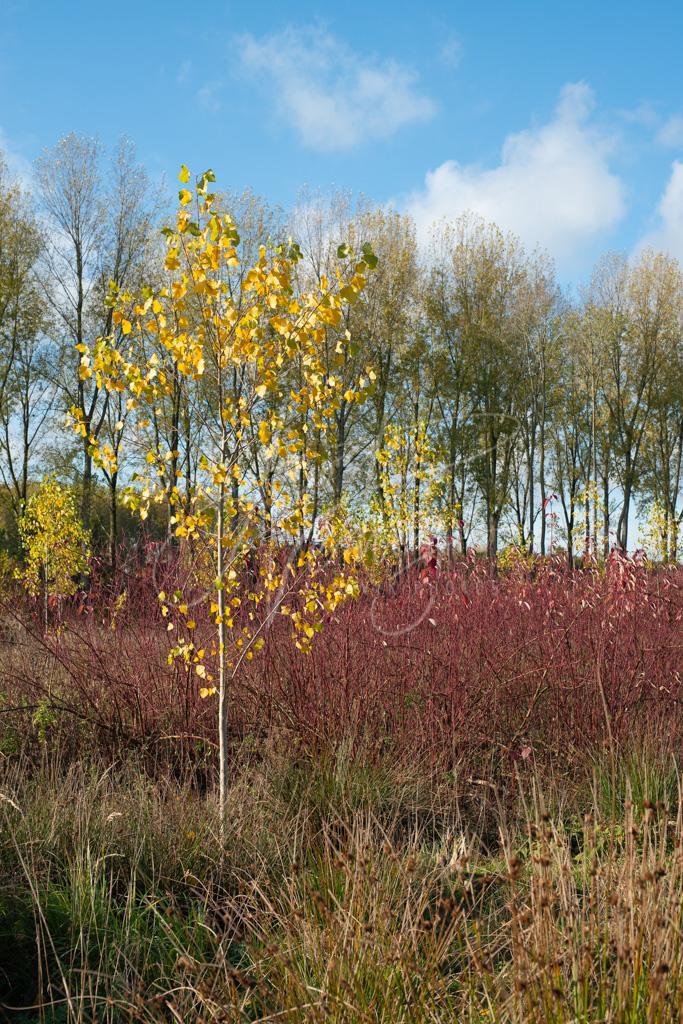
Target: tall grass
{"x": 340, "y": 893}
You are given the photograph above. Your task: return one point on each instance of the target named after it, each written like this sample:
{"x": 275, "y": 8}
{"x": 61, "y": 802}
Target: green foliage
{"x": 56, "y": 545}
{"x": 44, "y": 717}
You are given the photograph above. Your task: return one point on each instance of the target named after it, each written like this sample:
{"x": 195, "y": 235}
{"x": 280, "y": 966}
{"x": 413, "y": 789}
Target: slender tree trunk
{"x": 235, "y": 497}
{"x": 113, "y": 520}
{"x": 491, "y": 517}
{"x": 302, "y": 490}
{"x": 677, "y": 481}
{"x": 417, "y": 481}
{"x": 530, "y": 544}
{"x": 175, "y": 446}
{"x": 268, "y": 508}
{"x": 416, "y": 509}
{"x": 380, "y": 489}
{"x": 189, "y": 482}
{"x": 594, "y": 457}
{"x": 223, "y": 738}
{"x": 86, "y": 494}
{"x": 622, "y": 526}
{"x": 451, "y": 503}
{"x": 570, "y": 542}
{"x": 541, "y": 480}
{"x": 605, "y": 511}
{"x": 316, "y": 501}
{"x": 339, "y": 456}
{"x": 24, "y": 465}
{"x": 461, "y": 531}
{"x": 492, "y": 533}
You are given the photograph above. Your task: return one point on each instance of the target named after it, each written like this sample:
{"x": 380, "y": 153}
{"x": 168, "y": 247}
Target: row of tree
{"x": 474, "y": 399}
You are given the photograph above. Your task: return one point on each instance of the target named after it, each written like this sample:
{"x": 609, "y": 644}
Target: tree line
{"x": 474, "y": 399}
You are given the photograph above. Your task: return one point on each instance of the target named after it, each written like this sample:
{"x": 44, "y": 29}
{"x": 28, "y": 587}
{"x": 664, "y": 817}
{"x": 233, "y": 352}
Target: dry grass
{"x": 341, "y": 894}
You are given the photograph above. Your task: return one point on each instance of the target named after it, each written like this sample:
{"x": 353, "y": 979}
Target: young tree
{"x": 56, "y": 545}
{"x": 241, "y": 348}
{"x": 410, "y": 486}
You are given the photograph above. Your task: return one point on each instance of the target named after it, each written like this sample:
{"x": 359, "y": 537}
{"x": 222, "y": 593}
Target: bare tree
{"x": 97, "y": 224}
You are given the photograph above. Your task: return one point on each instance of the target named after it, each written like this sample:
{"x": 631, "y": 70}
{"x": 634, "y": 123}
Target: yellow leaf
{"x": 261, "y": 390}
{"x": 185, "y": 196}
{"x": 184, "y": 175}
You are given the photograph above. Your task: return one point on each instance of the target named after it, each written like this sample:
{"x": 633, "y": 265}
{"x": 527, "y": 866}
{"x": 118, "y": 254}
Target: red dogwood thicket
{"x": 444, "y": 668}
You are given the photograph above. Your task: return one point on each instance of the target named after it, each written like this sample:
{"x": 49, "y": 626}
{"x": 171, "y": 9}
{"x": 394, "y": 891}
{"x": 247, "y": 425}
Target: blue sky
{"x": 562, "y": 122}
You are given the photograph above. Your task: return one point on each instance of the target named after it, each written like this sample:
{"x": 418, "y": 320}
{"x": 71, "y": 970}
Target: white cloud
{"x": 671, "y": 132}
{"x": 553, "y": 186}
{"x": 17, "y": 164}
{"x": 667, "y": 234}
{"x": 184, "y": 72}
{"x": 334, "y": 98}
{"x": 209, "y": 98}
{"x": 450, "y": 52}
{"x": 644, "y": 114}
